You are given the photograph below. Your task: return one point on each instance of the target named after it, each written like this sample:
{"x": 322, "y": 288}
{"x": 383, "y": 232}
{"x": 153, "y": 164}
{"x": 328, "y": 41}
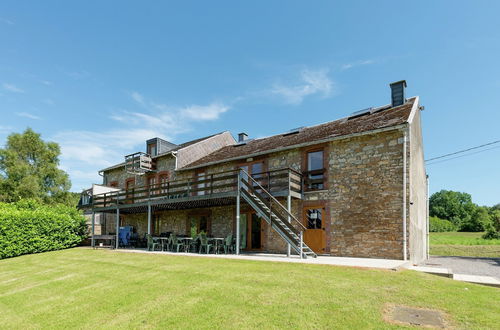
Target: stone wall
{"x": 362, "y": 197}
{"x": 365, "y": 196}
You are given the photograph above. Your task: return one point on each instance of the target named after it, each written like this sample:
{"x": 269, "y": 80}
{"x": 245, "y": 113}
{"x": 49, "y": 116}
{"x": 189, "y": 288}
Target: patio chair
{"x": 204, "y": 243}
{"x": 175, "y": 243}
{"x": 228, "y": 244}
{"x": 152, "y": 245}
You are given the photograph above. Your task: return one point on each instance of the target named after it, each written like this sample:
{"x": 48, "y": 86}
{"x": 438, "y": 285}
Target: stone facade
{"x": 362, "y": 196}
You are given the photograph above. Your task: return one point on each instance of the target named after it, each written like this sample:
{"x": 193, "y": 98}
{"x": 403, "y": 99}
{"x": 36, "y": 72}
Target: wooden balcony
{"x": 213, "y": 189}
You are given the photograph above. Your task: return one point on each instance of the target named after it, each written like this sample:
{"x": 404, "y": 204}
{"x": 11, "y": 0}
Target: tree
{"x": 454, "y": 206}
{"x": 493, "y": 228}
{"x": 479, "y": 220}
{"x": 29, "y": 169}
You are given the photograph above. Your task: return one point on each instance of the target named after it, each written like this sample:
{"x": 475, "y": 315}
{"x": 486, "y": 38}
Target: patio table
{"x": 187, "y": 242}
{"x": 217, "y": 241}
{"x": 162, "y": 240}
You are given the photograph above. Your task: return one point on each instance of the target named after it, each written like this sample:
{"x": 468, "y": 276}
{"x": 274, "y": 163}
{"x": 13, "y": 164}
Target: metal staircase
{"x": 274, "y": 213}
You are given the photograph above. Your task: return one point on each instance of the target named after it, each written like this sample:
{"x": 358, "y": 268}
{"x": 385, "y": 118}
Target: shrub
{"x": 440, "y": 225}
{"x": 493, "y": 228}
{"x": 30, "y": 227}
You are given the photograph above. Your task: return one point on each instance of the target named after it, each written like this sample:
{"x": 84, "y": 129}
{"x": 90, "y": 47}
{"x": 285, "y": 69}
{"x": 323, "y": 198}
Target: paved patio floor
{"x": 320, "y": 260}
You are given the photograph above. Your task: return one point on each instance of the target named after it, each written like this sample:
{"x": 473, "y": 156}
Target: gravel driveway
{"x": 466, "y": 265}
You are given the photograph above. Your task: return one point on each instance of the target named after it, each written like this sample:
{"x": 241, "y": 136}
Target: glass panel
{"x": 203, "y": 226}
{"x": 198, "y": 224}
{"x": 314, "y": 218}
{"x": 315, "y": 160}
{"x": 152, "y": 185}
{"x": 152, "y": 149}
{"x": 314, "y": 163}
{"x": 201, "y": 176}
{"x": 163, "y": 182}
{"x": 244, "y": 176}
{"x": 156, "y": 225}
{"x": 256, "y": 222}
{"x": 257, "y": 169}
{"x": 243, "y": 231}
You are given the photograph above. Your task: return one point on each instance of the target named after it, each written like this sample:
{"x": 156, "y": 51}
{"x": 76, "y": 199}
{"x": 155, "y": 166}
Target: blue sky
{"x": 101, "y": 77}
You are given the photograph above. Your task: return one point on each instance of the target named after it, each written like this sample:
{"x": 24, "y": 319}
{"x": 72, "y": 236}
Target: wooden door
{"x": 315, "y": 235}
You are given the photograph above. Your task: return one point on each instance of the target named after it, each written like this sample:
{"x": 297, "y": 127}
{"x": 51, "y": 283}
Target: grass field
{"x": 84, "y": 288}
{"x": 463, "y": 244}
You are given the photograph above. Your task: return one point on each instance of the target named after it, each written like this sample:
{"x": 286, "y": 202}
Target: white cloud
{"x": 12, "y": 88}
{"x": 207, "y": 112}
{"x": 311, "y": 82}
{"x": 137, "y": 97}
{"x": 46, "y": 82}
{"x": 86, "y": 151}
{"x": 27, "y": 115}
{"x": 348, "y": 66}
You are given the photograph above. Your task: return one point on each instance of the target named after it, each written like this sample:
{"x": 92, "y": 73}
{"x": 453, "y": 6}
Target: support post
{"x": 93, "y": 229}
{"x": 149, "y": 218}
{"x": 427, "y": 221}
{"x": 289, "y": 208}
{"x": 301, "y": 245}
{"x": 238, "y": 214}
{"x": 117, "y": 227}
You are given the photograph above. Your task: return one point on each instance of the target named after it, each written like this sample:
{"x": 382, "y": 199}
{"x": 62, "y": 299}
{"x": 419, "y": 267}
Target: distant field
{"x": 463, "y": 244}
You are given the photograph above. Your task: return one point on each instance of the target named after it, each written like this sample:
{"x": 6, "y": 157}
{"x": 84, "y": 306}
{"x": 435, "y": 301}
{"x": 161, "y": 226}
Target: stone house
{"x": 353, "y": 187}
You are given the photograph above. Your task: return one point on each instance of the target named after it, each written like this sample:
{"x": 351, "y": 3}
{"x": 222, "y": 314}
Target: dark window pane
{"x": 203, "y": 224}
{"x": 315, "y": 160}
{"x": 315, "y": 163}
{"x": 314, "y": 218}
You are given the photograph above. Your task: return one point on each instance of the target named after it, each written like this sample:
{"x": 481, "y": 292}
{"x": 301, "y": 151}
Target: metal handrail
{"x": 271, "y": 197}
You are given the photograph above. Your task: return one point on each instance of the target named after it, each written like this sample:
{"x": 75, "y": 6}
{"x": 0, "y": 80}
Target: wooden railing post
{"x": 211, "y": 184}
{"x": 269, "y": 181}
{"x": 104, "y": 200}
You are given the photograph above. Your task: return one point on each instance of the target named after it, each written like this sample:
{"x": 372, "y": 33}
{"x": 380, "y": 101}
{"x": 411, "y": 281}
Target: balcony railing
{"x": 282, "y": 181}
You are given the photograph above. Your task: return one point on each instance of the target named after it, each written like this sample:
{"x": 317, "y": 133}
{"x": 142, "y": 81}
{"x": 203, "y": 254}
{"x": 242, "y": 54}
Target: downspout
{"x": 405, "y": 242}
{"x": 174, "y": 153}
{"x": 427, "y": 222}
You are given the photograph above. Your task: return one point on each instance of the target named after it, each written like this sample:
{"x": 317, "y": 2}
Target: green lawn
{"x": 84, "y": 288}
{"x": 463, "y": 244}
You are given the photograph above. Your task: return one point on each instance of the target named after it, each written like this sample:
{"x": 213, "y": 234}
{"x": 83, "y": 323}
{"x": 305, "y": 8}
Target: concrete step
{"x": 445, "y": 272}
{"x": 484, "y": 280}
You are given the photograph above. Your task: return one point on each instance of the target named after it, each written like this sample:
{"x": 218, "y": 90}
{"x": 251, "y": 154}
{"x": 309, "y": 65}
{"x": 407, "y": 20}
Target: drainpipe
{"x": 427, "y": 222}
{"x": 174, "y": 153}
{"x": 405, "y": 243}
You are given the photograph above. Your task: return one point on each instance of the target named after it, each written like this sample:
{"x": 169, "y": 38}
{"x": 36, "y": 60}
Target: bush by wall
{"x": 30, "y": 227}
{"x": 440, "y": 225}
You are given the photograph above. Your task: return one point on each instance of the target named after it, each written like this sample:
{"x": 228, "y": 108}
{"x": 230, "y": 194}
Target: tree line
{"x": 455, "y": 211}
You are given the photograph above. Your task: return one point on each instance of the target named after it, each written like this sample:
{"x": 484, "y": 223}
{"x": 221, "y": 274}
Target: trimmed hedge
{"x": 438, "y": 225}
{"x": 30, "y": 227}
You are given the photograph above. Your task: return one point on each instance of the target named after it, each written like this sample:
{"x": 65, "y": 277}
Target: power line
{"x": 473, "y": 153}
{"x": 462, "y": 151}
